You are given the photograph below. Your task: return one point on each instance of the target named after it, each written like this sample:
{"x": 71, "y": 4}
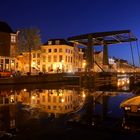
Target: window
{"x": 54, "y": 99}
{"x": 49, "y": 107}
{"x": 49, "y": 50}
{"x": 55, "y": 58}
{"x": 49, "y": 42}
{"x": 49, "y": 98}
{"x": 38, "y": 62}
{"x": 55, "y": 50}
{"x": 66, "y": 58}
{"x": 38, "y": 55}
{"x": 54, "y": 107}
{"x": 44, "y": 58}
{"x": 49, "y": 58}
{"x": 43, "y": 98}
{"x": 44, "y": 50}
{"x": 60, "y": 50}
{"x": 13, "y": 38}
{"x": 71, "y": 59}
{"x": 60, "y": 58}
{"x": 57, "y": 42}
{"x": 34, "y": 55}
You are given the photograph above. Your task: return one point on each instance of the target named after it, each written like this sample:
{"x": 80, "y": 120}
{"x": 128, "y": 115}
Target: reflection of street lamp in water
{"x": 62, "y": 62}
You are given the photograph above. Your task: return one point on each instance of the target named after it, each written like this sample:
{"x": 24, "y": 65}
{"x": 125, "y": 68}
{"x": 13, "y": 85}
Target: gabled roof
{"x": 4, "y": 27}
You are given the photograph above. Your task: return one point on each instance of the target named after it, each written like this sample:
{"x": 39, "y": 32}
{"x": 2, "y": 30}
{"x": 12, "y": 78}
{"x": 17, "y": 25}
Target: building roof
{"x": 4, "y": 27}
{"x": 61, "y": 42}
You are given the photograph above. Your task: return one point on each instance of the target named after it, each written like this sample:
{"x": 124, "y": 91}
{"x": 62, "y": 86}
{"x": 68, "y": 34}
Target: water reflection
{"x": 80, "y": 106}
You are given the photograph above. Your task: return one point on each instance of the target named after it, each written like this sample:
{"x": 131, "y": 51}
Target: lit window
{"x": 44, "y": 58}
{"x": 34, "y": 55}
{"x": 60, "y": 58}
{"x": 44, "y": 50}
{"x": 66, "y": 58}
{"x": 55, "y": 58}
{"x": 49, "y": 42}
{"x": 54, "y": 99}
{"x": 55, "y": 50}
{"x": 60, "y": 50}
{"x": 38, "y": 62}
{"x": 38, "y": 55}
{"x": 49, "y": 98}
{"x": 43, "y": 98}
{"x": 49, "y": 107}
{"x": 13, "y": 38}
{"x": 54, "y": 107}
{"x": 57, "y": 42}
{"x": 49, "y": 58}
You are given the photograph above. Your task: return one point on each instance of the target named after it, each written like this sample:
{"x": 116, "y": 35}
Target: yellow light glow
{"x": 62, "y": 100}
{"x": 25, "y": 89}
{"x": 123, "y": 71}
{"x": 84, "y": 64}
{"x": 33, "y": 97}
{"x": 83, "y": 95}
{"x": 118, "y": 83}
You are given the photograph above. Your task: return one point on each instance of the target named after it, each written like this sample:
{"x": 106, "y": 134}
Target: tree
{"x": 28, "y": 40}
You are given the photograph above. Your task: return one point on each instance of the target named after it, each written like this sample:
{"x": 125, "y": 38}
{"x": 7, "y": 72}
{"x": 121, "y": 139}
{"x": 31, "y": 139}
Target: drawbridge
{"x": 104, "y": 39}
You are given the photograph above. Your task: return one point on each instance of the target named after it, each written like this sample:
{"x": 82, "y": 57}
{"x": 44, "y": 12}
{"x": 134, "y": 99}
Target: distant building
{"x": 8, "y": 40}
{"x": 57, "y": 55}
{"x": 8, "y": 47}
{"x": 61, "y": 55}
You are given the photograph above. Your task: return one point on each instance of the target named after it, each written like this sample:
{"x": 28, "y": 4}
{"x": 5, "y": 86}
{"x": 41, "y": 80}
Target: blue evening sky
{"x": 65, "y": 18}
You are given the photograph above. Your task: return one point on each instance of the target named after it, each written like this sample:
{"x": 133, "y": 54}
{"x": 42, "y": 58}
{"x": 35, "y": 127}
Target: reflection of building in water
{"x": 7, "y": 110}
{"x": 56, "y": 101}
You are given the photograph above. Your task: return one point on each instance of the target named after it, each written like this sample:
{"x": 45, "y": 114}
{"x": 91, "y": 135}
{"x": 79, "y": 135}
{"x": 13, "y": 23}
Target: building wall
{"x": 52, "y": 58}
{"x": 5, "y": 40}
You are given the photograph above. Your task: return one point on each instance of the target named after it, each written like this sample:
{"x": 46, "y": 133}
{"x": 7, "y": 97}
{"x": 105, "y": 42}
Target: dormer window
{"x": 49, "y": 42}
{"x": 57, "y": 42}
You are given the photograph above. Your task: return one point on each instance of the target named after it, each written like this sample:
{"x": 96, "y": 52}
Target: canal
{"x": 64, "y": 112}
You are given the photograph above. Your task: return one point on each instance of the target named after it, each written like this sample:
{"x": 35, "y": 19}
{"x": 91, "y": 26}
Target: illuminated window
{"x": 38, "y": 62}
{"x": 71, "y": 59}
{"x": 60, "y": 99}
{"x": 44, "y": 58}
{"x": 38, "y": 55}
{"x": 66, "y": 58}
{"x": 57, "y": 42}
{"x": 60, "y": 50}
{"x": 55, "y": 58}
{"x": 49, "y": 42}
{"x": 49, "y": 98}
{"x": 44, "y": 50}
{"x": 55, "y": 50}
{"x": 60, "y": 58}
{"x": 43, "y": 98}
{"x": 34, "y": 55}
{"x": 13, "y": 38}
{"x": 54, "y": 107}
{"x": 54, "y": 99}
{"x": 49, "y": 58}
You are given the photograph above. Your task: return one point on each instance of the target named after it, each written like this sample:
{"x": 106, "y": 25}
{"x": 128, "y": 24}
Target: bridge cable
{"x": 138, "y": 51}
{"x": 132, "y": 52}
